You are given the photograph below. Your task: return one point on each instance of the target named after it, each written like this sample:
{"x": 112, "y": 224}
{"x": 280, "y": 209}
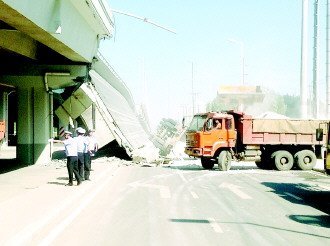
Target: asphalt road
{"x": 179, "y": 204}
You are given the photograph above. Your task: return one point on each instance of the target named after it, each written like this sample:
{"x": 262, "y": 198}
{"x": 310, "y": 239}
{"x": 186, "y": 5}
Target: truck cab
{"x": 209, "y": 134}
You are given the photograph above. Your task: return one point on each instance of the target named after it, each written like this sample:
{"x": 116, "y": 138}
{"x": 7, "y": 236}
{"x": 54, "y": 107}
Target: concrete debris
{"x": 168, "y": 132}
{"x": 177, "y": 152}
{"x": 146, "y": 154}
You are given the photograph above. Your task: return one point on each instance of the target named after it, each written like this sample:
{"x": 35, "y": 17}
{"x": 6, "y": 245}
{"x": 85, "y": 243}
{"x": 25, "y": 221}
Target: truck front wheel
{"x": 305, "y": 159}
{"x": 207, "y": 163}
{"x": 283, "y": 160}
{"x": 224, "y": 160}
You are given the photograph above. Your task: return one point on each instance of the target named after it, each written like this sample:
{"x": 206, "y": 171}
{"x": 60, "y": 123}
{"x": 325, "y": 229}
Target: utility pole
{"x": 315, "y": 104}
{"x": 303, "y": 69}
{"x": 192, "y": 88}
{"x": 327, "y": 61}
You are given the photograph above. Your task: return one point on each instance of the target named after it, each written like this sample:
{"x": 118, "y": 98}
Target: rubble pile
{"x": 146, "y": 154}
{"x": 177, "y": 152}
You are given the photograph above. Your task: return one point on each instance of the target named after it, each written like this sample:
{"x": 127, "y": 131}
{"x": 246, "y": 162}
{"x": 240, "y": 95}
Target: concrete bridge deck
{"x": 53, "y": 76}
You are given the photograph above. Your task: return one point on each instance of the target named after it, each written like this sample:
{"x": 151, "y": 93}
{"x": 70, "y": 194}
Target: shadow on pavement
{"x": 316, "y": 220}
{"x": 8, "y": 165}
{"x": 192, "y": 166}
{"x": 205, "y": 221}
{"x": 307, "y": 195}
{"x": 57, "y": 183}
{"x": 63, "y": 178}
{"x": 187, "y": 167}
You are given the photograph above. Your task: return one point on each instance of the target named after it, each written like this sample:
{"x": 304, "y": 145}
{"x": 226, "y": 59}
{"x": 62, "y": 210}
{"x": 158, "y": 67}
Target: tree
{"x": 279, "y": 106}
{"x": 286, "y": 105}
{"x": 293, "y": 106}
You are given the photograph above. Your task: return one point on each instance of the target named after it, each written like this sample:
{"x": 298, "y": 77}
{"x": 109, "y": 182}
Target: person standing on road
{"x": 70, "y": 145}
{"x": 87, "y": 163}
{"x": 82, "y": 147}
{"x": 93, "y": 147}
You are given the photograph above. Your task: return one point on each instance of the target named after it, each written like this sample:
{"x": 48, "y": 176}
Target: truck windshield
{"x": 197, "y": 123}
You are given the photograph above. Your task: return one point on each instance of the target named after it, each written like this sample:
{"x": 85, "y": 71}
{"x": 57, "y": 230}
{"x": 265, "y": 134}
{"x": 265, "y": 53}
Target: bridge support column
{"x": 24, "y": 151}
{"x": 33, "y": 126}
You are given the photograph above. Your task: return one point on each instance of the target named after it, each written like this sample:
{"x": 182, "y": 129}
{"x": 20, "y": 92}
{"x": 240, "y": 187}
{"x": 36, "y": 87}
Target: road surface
{"x": 179, "y": 204}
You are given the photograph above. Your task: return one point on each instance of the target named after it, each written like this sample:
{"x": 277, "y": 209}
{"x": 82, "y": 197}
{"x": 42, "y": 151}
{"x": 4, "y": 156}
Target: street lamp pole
{"x": 241, "y": 44}
{"x": 192, "y": 88}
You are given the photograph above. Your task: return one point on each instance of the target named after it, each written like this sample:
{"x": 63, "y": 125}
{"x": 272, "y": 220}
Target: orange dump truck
{"x": 282, "y": 144}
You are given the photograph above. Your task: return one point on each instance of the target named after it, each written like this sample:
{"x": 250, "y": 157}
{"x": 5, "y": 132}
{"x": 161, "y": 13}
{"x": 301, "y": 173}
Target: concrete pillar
{"x": 33, "y": 125}
{"x": 25, "y": 138}
{"x": 42, "y": 129}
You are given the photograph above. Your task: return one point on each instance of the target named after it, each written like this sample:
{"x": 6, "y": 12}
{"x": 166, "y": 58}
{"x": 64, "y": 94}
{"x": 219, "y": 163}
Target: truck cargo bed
{"x": 280, "y": 131}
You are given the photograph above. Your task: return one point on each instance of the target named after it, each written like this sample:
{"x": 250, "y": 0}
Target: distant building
{"x": 239, "y": 97}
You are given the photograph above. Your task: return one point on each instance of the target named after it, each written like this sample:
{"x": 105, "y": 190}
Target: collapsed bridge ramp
{"x": 127, "y": 130}
{"x": 80, "y": 104}
{"x": 107, "y": 99}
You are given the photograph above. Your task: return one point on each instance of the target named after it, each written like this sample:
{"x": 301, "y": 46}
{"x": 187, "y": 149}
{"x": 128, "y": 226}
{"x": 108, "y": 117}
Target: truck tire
{"x": 224, "y": 160}
{"x": 305, "y": 159}
{"x": 207, "y": 163}
{"x": 283, "y": 160}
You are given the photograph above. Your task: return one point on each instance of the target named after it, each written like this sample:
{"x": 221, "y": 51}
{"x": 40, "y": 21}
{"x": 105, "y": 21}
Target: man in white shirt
{"x": 82, "y": 147}
{"x": 70, "y": 145}
{"x": 92, "y": 149}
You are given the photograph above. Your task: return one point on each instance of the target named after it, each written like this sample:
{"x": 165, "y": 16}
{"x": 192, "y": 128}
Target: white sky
{"x": 156, "y": 65}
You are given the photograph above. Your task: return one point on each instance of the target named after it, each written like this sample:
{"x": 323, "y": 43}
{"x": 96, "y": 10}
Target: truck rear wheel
{"x": 224, "y": 160}
{"x": 283, "y": 160}
{"x": 305, "y": 159}
{"x": 207, "y": 163}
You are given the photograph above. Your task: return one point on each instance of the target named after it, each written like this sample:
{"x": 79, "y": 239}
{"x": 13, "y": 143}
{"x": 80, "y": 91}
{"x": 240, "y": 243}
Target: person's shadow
{"x": 58, "y": 183}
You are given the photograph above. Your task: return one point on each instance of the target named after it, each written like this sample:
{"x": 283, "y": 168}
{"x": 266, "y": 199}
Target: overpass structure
{"x": 52, "y": 76}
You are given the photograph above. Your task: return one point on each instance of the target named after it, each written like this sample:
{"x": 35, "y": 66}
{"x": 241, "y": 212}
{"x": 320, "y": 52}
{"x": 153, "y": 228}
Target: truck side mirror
{"x": 319, "y": 134}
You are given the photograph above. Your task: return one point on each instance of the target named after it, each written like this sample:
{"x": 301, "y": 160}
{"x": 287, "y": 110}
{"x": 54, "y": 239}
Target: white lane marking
{"x": 60, "y": 227}
{"x": 194, "y": 195}
{"x": 294, "y": 196}
{"x": 182, "y": 176}
{"x": 163, "y": 190}
{"x": 236, "y": 190}
{"x": 27, "y": 232}
{"x": 216, "y": 227}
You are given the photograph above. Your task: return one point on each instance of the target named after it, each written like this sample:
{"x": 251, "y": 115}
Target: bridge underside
{"x": 50, "y": 79}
